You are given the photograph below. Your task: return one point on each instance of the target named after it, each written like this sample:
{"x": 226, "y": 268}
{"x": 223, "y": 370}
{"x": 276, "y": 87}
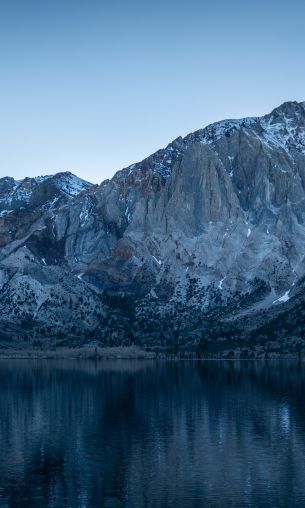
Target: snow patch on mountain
{"x": 71, "y": 184}
{"x": 285, "y": 135}
{"x": 284, "y": 298}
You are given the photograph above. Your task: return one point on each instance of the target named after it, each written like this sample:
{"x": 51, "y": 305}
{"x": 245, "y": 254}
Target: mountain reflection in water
{"x": 152, "y": 434}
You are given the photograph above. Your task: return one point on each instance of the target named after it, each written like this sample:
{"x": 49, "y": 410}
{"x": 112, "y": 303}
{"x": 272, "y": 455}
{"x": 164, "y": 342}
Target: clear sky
{"x": 92, "y": 86}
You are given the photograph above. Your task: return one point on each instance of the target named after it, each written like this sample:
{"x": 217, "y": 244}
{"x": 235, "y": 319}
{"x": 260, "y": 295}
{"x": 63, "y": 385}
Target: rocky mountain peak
{"x": 46, "y": 191}
{"x": 284, "y": 126}
{"x": 288, "y": 109}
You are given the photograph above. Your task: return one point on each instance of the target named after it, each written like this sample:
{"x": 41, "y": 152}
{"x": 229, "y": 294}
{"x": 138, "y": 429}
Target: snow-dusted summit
{"x": 43, "y": 191}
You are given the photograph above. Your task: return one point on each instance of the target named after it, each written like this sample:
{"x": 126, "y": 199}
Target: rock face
{"x": 204, "y": 239}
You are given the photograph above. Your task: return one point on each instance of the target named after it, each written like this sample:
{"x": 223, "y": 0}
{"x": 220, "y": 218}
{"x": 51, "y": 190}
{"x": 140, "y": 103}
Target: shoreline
{"x": 128, "y": 353}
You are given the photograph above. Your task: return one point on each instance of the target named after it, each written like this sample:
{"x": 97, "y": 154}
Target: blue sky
{"x": 93, "y": 86}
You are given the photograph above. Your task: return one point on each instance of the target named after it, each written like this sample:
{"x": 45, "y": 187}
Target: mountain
{"x": 198, "y": 247}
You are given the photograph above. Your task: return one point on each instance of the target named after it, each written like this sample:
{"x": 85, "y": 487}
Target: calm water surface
{"x": 147, "y": 434}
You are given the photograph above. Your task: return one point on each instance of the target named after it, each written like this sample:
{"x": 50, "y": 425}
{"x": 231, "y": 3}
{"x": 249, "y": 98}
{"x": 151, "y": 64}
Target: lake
{"x": 152, "y": 434}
